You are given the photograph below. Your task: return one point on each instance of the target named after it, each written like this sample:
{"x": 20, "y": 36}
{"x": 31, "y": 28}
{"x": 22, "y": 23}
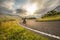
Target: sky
{"x": 30, "y": 8}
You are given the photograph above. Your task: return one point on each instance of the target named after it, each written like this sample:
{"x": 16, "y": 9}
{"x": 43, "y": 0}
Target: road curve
{"x": 47, "y": 27}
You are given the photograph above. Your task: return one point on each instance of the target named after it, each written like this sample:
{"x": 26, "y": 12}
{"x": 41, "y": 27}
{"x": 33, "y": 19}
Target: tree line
{"x": 51, "y": 13}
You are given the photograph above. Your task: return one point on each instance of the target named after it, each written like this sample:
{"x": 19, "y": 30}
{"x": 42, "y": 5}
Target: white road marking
{"x": 50, "y": 35}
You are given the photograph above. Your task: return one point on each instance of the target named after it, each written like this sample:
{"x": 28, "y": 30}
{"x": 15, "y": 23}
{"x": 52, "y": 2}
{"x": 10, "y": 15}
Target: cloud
{"x": 20, "y": 11}
{"x": 9, "y": 6}
{"x": 6, "y": 6}
{"x": 7, "y": 3}
{"x": 58, "y": 9}
{"x": 45, "y": 5}
{"x": 4, "y": 10}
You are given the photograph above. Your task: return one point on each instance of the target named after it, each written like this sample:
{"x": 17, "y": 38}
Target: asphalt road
{"x": 47, "y": 27}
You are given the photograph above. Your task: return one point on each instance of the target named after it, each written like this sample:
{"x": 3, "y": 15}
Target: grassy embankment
{"x": 50, "y": 18}
{"x": 10, "y": 30}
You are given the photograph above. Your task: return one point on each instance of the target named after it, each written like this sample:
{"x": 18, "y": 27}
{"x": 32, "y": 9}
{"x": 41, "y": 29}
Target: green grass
{"x": 50, "y": 18}
{"x": 10, "y": 30}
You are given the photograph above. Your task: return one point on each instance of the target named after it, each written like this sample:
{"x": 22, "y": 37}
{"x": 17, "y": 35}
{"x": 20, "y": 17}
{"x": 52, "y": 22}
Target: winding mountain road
{"x": 47, "y": 27}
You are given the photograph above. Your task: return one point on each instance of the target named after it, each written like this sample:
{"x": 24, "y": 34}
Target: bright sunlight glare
{"x": 31, "y": 8}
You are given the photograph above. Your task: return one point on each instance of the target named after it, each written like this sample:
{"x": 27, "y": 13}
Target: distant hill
{"x": 50, "y": 16}
{"x": 51, "y": 13}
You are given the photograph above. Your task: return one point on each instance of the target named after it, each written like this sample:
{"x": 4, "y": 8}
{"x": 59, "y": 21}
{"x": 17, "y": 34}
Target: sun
{"x": 30, "y": 8}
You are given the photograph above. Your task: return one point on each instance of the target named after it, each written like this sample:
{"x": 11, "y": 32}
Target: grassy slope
{"x": 10, "y": 30}
{"x": 51, "y": 18}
